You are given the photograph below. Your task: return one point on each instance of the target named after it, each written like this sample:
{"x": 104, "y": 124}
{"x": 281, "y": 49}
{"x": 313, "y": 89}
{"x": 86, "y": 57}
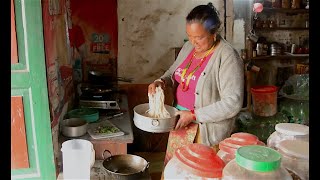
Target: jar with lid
{"x": 256, "y": 162}
{"x": 285, "y": 4}
{"x": 229, "y": 146}
{"x": 288, "y": 131}
{"x": 194, "y": 161}
{"x": 295, "y": 158}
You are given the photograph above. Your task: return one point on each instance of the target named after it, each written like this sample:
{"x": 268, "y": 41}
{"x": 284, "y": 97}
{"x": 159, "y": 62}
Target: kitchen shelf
{"x": 287, "y": 56}
{"x": 281, "y": 28}
{"x": 283, "y": 10}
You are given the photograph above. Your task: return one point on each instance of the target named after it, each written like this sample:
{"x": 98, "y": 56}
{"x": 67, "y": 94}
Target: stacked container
{"x": 288, "y": 131}
{"x": 255, "y": 162}
{"x": 194, "y": 161}
{"x": 229, "y": 146}
{"x": 295, "y": 158}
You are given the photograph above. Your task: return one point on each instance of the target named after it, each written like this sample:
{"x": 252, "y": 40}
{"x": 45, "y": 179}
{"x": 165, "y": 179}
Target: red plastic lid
{"x": 231, "y": 144}
{"x": 200, "y": 160}
{"x": 264, "y": 89}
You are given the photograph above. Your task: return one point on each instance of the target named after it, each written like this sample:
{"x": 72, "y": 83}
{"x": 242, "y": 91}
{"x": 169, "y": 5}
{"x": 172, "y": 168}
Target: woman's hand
{"x": 152, "y": 86}
{"x": 186, "y": 117}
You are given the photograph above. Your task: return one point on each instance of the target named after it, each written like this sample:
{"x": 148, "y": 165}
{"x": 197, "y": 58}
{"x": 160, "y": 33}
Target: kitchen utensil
{"x": 114, "y": 130}
{"x": 74, "y": 127}
{"x": 157, "y": 125}
{"x": 88, "y": 114}
{"x": 78, "y": 156}
{"x": 125, "y": 166}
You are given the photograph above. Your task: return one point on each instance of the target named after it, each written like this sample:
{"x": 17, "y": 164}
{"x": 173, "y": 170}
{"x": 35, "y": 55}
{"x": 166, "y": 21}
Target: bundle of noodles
{"x": 156, "y": 105}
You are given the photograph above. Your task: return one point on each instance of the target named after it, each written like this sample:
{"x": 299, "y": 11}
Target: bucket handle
{"x": 145, "y": 167}
{"x": 104, "y": 152}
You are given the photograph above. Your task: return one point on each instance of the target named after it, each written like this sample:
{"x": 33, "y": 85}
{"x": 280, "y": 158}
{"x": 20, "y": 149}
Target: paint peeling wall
{"x": 149, "y": 30}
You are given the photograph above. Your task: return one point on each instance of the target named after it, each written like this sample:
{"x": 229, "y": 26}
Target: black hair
{"x": 207, "y": 15}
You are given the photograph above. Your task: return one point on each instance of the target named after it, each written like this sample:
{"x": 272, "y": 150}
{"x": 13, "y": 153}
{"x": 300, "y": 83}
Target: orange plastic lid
{"x": 264, "y": 89}
{"x": 200, "y": 160}
{"x": 231, "y": 144}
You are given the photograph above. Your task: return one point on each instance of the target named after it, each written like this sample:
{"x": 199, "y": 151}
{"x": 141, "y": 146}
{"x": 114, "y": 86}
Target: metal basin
{"x": 74, "y": 127}
{"x": 155, "y": 125}
{"x": 126, "y": 167}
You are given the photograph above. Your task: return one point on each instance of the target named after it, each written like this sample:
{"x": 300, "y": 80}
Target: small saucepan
{"x": 125, "y": 166}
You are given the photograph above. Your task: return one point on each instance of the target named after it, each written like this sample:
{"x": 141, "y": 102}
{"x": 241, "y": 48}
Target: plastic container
{"x": 78, "y": 156}
{"x": 260, "y": 126}
{"x": 256, "y": 162}
{"x": 88, "y": 114}
{"x": 229, "y": 146}
{"x": 264, "y": 100}
{"x": 194, "y": 161}
{"x": 295, "y": 157}
{"x": 288, "y": 131}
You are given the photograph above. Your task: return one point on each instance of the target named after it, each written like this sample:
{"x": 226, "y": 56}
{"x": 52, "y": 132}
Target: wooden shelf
{"x": 298, "y": 56}
{"x": 281, "y": 28}
{"x": 283, "y": 10}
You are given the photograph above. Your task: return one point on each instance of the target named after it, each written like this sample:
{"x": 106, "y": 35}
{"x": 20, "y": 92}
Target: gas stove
{"x": 97, "y": 96}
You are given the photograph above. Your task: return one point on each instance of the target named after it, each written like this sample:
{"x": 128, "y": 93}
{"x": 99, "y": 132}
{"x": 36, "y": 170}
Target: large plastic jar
{"x": 194, "y": 161}
{"x": 229, "y": 146}
{"x": 288, "y": 131}
{"x": 264, "y": 100}
{"x": 295, "y": 157}
{"x": 255, "y": 162}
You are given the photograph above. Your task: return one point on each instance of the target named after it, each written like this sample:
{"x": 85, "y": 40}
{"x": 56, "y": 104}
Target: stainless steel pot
{"x": 155, "y": 125}
{"x": 74, "y": 127}
{"x": 125, "y": 166}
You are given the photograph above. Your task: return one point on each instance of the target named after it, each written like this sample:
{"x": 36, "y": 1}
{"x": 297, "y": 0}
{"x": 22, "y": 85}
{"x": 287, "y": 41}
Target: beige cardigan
{"x": 219, "y": 91}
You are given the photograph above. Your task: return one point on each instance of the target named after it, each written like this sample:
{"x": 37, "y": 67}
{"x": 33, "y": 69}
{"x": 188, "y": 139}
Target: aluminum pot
{"x": 155, "y": 125}
{"x": 125, "y": 166}
{"x": 74, "y": 127}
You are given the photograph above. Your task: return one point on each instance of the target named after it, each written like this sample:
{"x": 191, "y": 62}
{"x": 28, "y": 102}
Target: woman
{"x": 207, "y": 78}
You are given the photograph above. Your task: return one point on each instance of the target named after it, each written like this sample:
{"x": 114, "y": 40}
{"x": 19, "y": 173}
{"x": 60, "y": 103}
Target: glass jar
{"x": 256, "y": 162}
{"x": 296, "y": 110}
{"x": 285, "y": 4}
{"x": 229, "y": 146}
{"x": 194, "y": 161}
{"x": 295, "y": 158}
{"x": 254, "y": 124}
{"x": 288, "y": 131}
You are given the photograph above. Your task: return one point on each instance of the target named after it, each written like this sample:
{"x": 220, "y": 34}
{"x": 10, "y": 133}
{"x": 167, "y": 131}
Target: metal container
{"x": 74, "y": 127}
{"x": 275, "y": 49}
{"x": 156, "y": 125}
{"x": 125, "y": 167}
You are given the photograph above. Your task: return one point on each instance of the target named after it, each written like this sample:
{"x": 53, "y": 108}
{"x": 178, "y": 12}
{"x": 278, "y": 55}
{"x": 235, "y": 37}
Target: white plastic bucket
{"x": 77, "y": 159}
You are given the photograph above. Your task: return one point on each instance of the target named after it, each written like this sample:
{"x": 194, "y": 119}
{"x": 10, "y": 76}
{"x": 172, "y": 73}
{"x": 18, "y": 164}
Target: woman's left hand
{"x": 186, "y": 117}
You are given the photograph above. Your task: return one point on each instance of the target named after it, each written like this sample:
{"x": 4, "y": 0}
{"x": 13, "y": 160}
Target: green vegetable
{"x": 106, "y": 129}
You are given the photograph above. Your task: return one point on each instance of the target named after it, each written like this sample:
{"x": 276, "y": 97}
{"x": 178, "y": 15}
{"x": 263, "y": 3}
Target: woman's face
{"x": 201, "y": 39}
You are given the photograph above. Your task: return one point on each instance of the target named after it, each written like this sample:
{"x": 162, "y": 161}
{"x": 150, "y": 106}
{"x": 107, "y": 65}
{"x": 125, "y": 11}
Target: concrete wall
{"x": 148, "y": 30}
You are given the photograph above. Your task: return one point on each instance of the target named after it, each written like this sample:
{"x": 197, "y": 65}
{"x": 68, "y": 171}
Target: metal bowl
{"x": 154, "y": 125}
{"x": 74, "y": 127}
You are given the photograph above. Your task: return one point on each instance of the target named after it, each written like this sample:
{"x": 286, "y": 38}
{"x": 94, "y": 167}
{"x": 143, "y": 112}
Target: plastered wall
{"x": 148, "y": 30}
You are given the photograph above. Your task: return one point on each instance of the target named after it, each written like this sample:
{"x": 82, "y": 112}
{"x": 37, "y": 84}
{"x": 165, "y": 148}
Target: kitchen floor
{"x": 156, "y": 160}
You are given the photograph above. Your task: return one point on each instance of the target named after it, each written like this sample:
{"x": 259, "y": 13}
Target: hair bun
{"x": 210, "y": 4}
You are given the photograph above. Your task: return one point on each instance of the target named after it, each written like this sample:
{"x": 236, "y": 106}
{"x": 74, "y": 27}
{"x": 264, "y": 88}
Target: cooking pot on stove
{"x": 125, "y": 166}
{"x": 155, "y": 125}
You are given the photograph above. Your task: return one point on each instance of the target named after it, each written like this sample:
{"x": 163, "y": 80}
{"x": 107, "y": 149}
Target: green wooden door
{"x": 31, "y": 139}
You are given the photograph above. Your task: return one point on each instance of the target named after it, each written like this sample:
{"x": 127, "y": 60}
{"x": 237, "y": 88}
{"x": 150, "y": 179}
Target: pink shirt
{"x": 186, "y": 99}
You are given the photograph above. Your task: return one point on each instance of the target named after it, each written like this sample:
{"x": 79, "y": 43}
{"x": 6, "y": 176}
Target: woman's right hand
{"x": 152, "y": 86}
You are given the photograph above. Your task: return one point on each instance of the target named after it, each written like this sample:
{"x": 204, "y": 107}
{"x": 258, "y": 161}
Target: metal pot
{"x": 148, "y": 124}
{"x": 125, "y": 166}
{"x": 74, "y": 127}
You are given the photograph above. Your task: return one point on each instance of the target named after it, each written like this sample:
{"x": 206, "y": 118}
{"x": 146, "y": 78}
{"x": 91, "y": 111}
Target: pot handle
{"x": 146, "y": 167}
{"x": 104, "y": 152}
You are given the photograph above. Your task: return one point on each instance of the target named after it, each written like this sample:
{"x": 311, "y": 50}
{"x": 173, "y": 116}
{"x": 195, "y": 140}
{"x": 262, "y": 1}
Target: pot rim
{"x": 126, "y": 174}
